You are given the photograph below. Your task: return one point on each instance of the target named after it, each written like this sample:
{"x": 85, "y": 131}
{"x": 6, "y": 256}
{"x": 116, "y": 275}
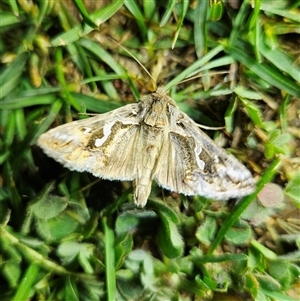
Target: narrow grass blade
{"x": 280, "y": 60}
{"x": 27, "y": 283}
{"x": 133, "y": 7}
{"x": 184, "y": 8}
{"x": 200, "y": 28}
{"x": 110, "y": 272}
{"x": 15, "y": 68}
{"x": 78, "y": 32}
{"x": 167, "y": 13}
{"x": 85, "y": 15}
{"x": 14, "y": 5}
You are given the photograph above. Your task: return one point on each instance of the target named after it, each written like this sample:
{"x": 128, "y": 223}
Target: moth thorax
{"x": 157, "y": 115}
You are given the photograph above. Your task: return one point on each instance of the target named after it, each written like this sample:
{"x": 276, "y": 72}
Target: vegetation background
{"x": 69, "y": 236}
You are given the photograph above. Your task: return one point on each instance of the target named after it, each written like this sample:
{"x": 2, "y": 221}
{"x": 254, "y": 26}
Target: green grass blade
{"x": 102, "y": 54}
{"x": 8, "y": 19}
{"x": 27, "y": 282}
{"x": 133, "y": 7}
{"x": 23, "y": 102}
{"x": 239, "y": 22}
{"x": 280, "y": 60}
{"x": 62, "y": 80}
{"x": 48, "y": 120}
{"x": 200, "y": 28}
{"x": 78, "y": 32}
{"x": 14, "y": 5}
{"x": 78, "y": 55}
{"x": 15, "y": 68}
{"x": 270, "y": 8}
{"x": 184, "y": 8}
{"x": 85, "y": 15}
{"x": 167, "y": 13}
{"x": 110, "y": 272}
{"x": 95, "y": 104}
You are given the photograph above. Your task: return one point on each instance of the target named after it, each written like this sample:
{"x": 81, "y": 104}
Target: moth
{"x": 145, "y": 141}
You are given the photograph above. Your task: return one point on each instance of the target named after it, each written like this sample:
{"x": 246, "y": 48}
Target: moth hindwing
{"x": 145, "y": 141}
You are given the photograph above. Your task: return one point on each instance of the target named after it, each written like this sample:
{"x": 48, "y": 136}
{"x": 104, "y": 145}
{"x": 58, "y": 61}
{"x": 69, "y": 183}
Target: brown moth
{"x": 146, "y": 141}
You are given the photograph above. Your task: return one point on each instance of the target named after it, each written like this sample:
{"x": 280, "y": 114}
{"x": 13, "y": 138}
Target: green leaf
{"x": 279, "y": 269}
{"x": 169, "y": 238}
{"x": 239, "y": 234}
{"x": 71, "y": 290}
{"x": 263, "y": 250}
{"x": 160, "y": 207}
{"x": 278, "y": 143}
{"x": 206, "y": 232}
{"x": 56, "y": 228}
{"x": 46, "y": 206}
{"x": 267, "y": 283}
{"x": 251, "y": 284}
{"x": 126, "y": 222}
{"x": 239, "y": 22}
{"x": 84, "y": 258}
{"x": 12, "y": 272}
{"x": 123, "y": 247}
{"x": 68, "y": 250}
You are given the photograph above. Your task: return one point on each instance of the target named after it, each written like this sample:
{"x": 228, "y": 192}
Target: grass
{"x": 69, "y": 236}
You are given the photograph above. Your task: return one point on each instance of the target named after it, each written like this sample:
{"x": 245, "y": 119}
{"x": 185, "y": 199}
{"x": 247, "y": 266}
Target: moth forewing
{"x": 149, "y": 140}
{"x": 95, "y": 144}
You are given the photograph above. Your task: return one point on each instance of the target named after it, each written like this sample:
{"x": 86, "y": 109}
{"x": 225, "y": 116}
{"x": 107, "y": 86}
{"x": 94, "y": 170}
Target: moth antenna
{"x": 88, "y": 114}
{"x": 210, "y": 127}
{"x": 144, "y": 68}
